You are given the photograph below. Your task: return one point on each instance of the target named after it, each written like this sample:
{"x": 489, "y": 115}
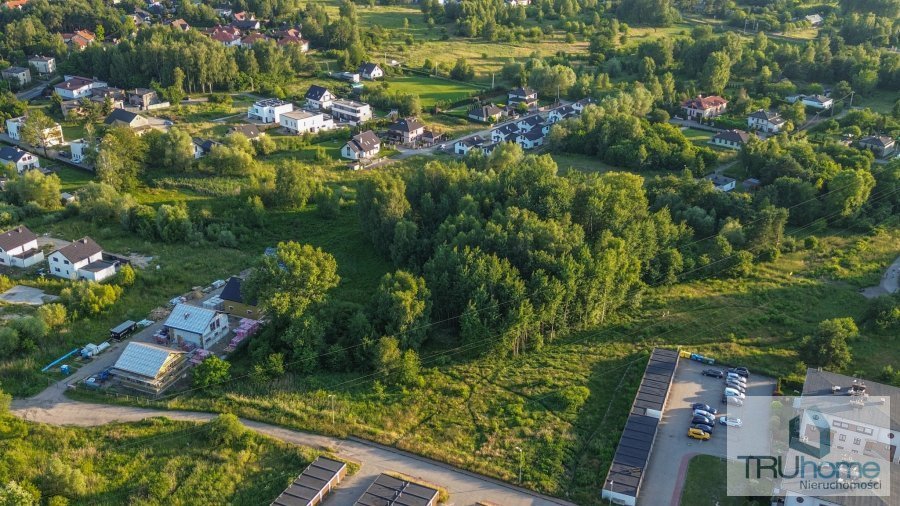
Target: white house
{"x": 731, "y": 139}
{"x": 530, "y": 140}
{"x": 18, "y": 75}
{"x": 370, "y": 71}
{"x": 82, "y": 259}
{"x": 19, "y": 248}
{"x": 197, "y": 326}
{"x": 522, "y": 95}
{"x": 463, "y": 146}
{"x": 300, "y": 122}
{"x": 269, "y": 110}
{"x": 362, "y": 146}
{"x": 704, "y": 107}
{"x": 318, "y": 97}
{"x": 78, "y": 149}
{"x": 53, "y": 136}
{"x": 486, "y": 113}
{"x": 561, "y": 113}
{"x": 351, "y": 111}
{"x": 22, "y": 160}
{"x": 766, "y": 121}
{"x": 75, "y": 87}
{"x": 202, "y": 147}
{"x": 817, "y": 101}
{"x": 529, "y": 123}
{"x": 506, "y": 132}
{"x": 722, "y": 183}
{"x": 44, "y": 65}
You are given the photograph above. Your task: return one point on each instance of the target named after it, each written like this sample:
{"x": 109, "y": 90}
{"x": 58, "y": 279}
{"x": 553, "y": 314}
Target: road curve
{"x": 465, "y": 488}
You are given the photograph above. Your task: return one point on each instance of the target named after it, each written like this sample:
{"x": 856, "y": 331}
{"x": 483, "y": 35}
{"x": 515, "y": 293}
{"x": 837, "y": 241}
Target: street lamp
{"x": 521, "y": 463}
{"x": 331, "y": 397}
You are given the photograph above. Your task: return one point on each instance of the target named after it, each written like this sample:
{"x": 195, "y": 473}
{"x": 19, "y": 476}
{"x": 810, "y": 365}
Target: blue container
{"x": 64, "y": 369}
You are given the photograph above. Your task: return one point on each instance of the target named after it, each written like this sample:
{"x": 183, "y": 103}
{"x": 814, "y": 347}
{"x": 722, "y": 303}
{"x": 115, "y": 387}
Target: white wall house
{"x": 351, "y": 111}
{"x": 82, "y": 259}
{"x": 43, "y": 64}
{"x": 20, "y": 159}
{"x": 269, "y": 110}
{"x": 78, "y": 148}
{"x": 197, "y": 326}
{"x": 362, "y": 146}
{"x": 817, "y": 101}
{"x": 300, "y": 122}
{"x": 19, "y": 248}
{"x": 370, "y": 71}
{"x": 463, "y": 146}
{"x": 74, "y": 87}
{"x": 766, "y": 121}
{"x": 704, "y": 107}
{"x": 530, "y": 140}
{"x": 53, "y": 136}
{"x": 319, "y": 98}
{"x": 18, "y": 75}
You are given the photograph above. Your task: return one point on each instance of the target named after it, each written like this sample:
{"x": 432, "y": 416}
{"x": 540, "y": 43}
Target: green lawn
{"x": 432, "y": 90}
{"x": 704, "y": 484}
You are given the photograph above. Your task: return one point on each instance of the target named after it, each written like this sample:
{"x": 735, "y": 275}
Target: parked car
{"x": 702, "y": 419}
{"x": 740, "y": 371}
{"x": 736, "y": 377}
{"x": 704, "y": 407}
{"x": 714, "y": 373}
{"x": 737, "y": 386}
{"x": 698, "y": 434}
{"x": 703, "y": 427}
{"x": 731, "y": 421}
{"x": 734, "y": 401}
{"x": 700, "y": 412}
{"x": 730, "y": 392}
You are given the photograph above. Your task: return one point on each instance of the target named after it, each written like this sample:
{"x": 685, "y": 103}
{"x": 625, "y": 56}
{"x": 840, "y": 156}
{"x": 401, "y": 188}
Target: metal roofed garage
{"x": 633, "y": 453}
{"x": 390, "y": 491}
{"x": 313, "y": 484}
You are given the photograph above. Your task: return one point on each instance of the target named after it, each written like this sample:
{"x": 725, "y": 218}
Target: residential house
{"x": 246, "y": 25}
{"x": 251, "y": 132}
{"x": 300, "y": 121}
{"x": 388, "y": 490}
{"x": 116, "y": 96}
{"x": 19, "y": 76}
{"x": 78, "y": 149}
{"x": 233, "y": 301}
{"x": 142, "y": 17}
{"x": 704, "y": 107}
{"x": 820, "y": 102}
{"x": 722, "y": 183}
{"x": 19, "y": 248}
{"x": 180, "y": 25}
{"x": 15, "y": 4}
{"x": 44, "y": 65}
{"x": 122, "y": 117}
{"x": 21, "y": 160}
{"x": 362, "y": 146}
{"x": 313, "y": 484}
{"x": 318, "y": 97}
{"x": 486, "y": 113}
{"x": 75, "y": 87}
{"x": 522, "y": 95}
{"x": 142, "y": 98}
{"x": 505, "y": 132}
{"x": 814, "y": 19}
{"x": 149, "y": 368}
{"x": 351, "y": 77}
{"x": 292, "y": 36}
{"x": 751, "y": 184}
{"x": 80, "y": 39}
{"x": 225, "y": 35}
{"x": 463, "y": 146}
{"x": 406, "y": 130}
{"x": 253, "y": 38}
{"x": 351, "y": 111}
{"x": 370, "y": 71}
{"x": 530, "y": 140}
{"x": 52, "y": 136}
{"x": 766, "y": 121}
{"x": 430, "y": 137}
{"x": 242, "y": 16}
{"x": 529, "y": 123}
{"x": 731, "y": 139}
{"x": 881, "y": 145}
{"x": 196, "y": 327}
{"x": 81, "y": 259}
{"x": 202, "y": 147}
{"x": 561, "y": 113}
{"x": 269, "y": 110}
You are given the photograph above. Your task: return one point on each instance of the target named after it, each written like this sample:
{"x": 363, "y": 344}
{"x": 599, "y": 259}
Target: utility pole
{"x": 521, "y": 463}
{"x": 492, "y": 80}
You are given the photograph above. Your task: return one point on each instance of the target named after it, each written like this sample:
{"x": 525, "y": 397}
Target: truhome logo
{"x": 801, "y": 443}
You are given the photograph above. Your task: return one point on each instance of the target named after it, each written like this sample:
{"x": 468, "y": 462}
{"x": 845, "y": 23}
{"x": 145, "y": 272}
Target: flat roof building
{"x": 313, "y": 484}
{"x": 390, "y": 491}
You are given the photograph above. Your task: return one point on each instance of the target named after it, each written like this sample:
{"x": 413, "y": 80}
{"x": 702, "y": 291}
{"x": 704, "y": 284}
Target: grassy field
{"x": 704, "y": 484}
{"x": 432, "y": 90}
{"x": 156, "y": 461}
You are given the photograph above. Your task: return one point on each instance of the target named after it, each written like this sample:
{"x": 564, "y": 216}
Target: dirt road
{"x": 889, "y": 282}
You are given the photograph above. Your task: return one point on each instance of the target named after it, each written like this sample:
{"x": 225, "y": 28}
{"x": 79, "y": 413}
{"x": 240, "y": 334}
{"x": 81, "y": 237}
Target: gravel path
{"x": 889, "y": 282}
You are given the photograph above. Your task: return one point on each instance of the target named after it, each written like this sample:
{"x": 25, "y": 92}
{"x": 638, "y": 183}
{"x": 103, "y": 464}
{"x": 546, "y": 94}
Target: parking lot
{"x": 673, "y": 448}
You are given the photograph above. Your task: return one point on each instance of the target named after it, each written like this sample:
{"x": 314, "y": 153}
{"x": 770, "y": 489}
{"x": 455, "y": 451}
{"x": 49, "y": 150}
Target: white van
{"x": 730, "y": 392}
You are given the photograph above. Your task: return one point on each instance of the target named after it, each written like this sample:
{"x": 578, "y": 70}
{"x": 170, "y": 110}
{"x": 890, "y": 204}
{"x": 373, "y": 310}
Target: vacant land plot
{"x": 432, "y": 90}
{"x": 705, "y": 484}
{"x": 26, "y": 295}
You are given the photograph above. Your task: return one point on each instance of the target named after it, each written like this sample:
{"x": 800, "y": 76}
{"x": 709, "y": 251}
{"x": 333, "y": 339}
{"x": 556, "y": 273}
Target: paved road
{"x": 465, "y": 488}
{"x": 672, "y": 449}
{"x": 890, "y": 282}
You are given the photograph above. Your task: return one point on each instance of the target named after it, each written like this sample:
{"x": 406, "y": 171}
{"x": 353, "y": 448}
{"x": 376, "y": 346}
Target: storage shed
{"x": 313, "y": 484}
{"x": 390, "y": 491}
{"x": 122, "y": 330}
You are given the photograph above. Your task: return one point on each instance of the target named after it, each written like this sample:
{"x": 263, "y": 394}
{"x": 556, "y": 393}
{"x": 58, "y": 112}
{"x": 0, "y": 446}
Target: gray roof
{"x": 191, "y": 319}
{"x": 316, "y": 92}
{"x": 11, "y": 154}
{"x": 508, "y": 128}
{"x": 533, "y": 135}
{"x": 121, "y": 115}
{"x": 406, "y": 125}
{"x": 232, "y": 291}
{"x": 719, "y": 180}
{"x": 366, "y": 141}
{"x": 821, "y": 382}
{"x": 770, "y": 116}
{"x": 16, "y": 237}
{"x": 144, "y": 359}
{"x": 390, "y": 491}
{"x": 733, "y": 135}
{"x": 314, "y": 479}
{"x": 472, "y": 141}
{"x": 877, "y": 140}
{"x": 80, "y": 249}
{"x": 521, "y": 92}
{"x": 367, "y": 68}
{"x": 248, "y": 131}
{"x": 15, "y": 70}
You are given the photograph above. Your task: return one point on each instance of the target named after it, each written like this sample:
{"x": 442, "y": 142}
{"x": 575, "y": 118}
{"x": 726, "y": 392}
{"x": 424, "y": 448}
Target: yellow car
{"x": 698, "y": 434}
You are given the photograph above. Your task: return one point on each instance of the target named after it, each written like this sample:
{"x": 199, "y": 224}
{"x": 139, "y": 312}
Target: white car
{"x": 734, "y": 401}
{"x": 731, "y": 421}
{"x": 730, "y": 392}
{"x": 736, "y": 377}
